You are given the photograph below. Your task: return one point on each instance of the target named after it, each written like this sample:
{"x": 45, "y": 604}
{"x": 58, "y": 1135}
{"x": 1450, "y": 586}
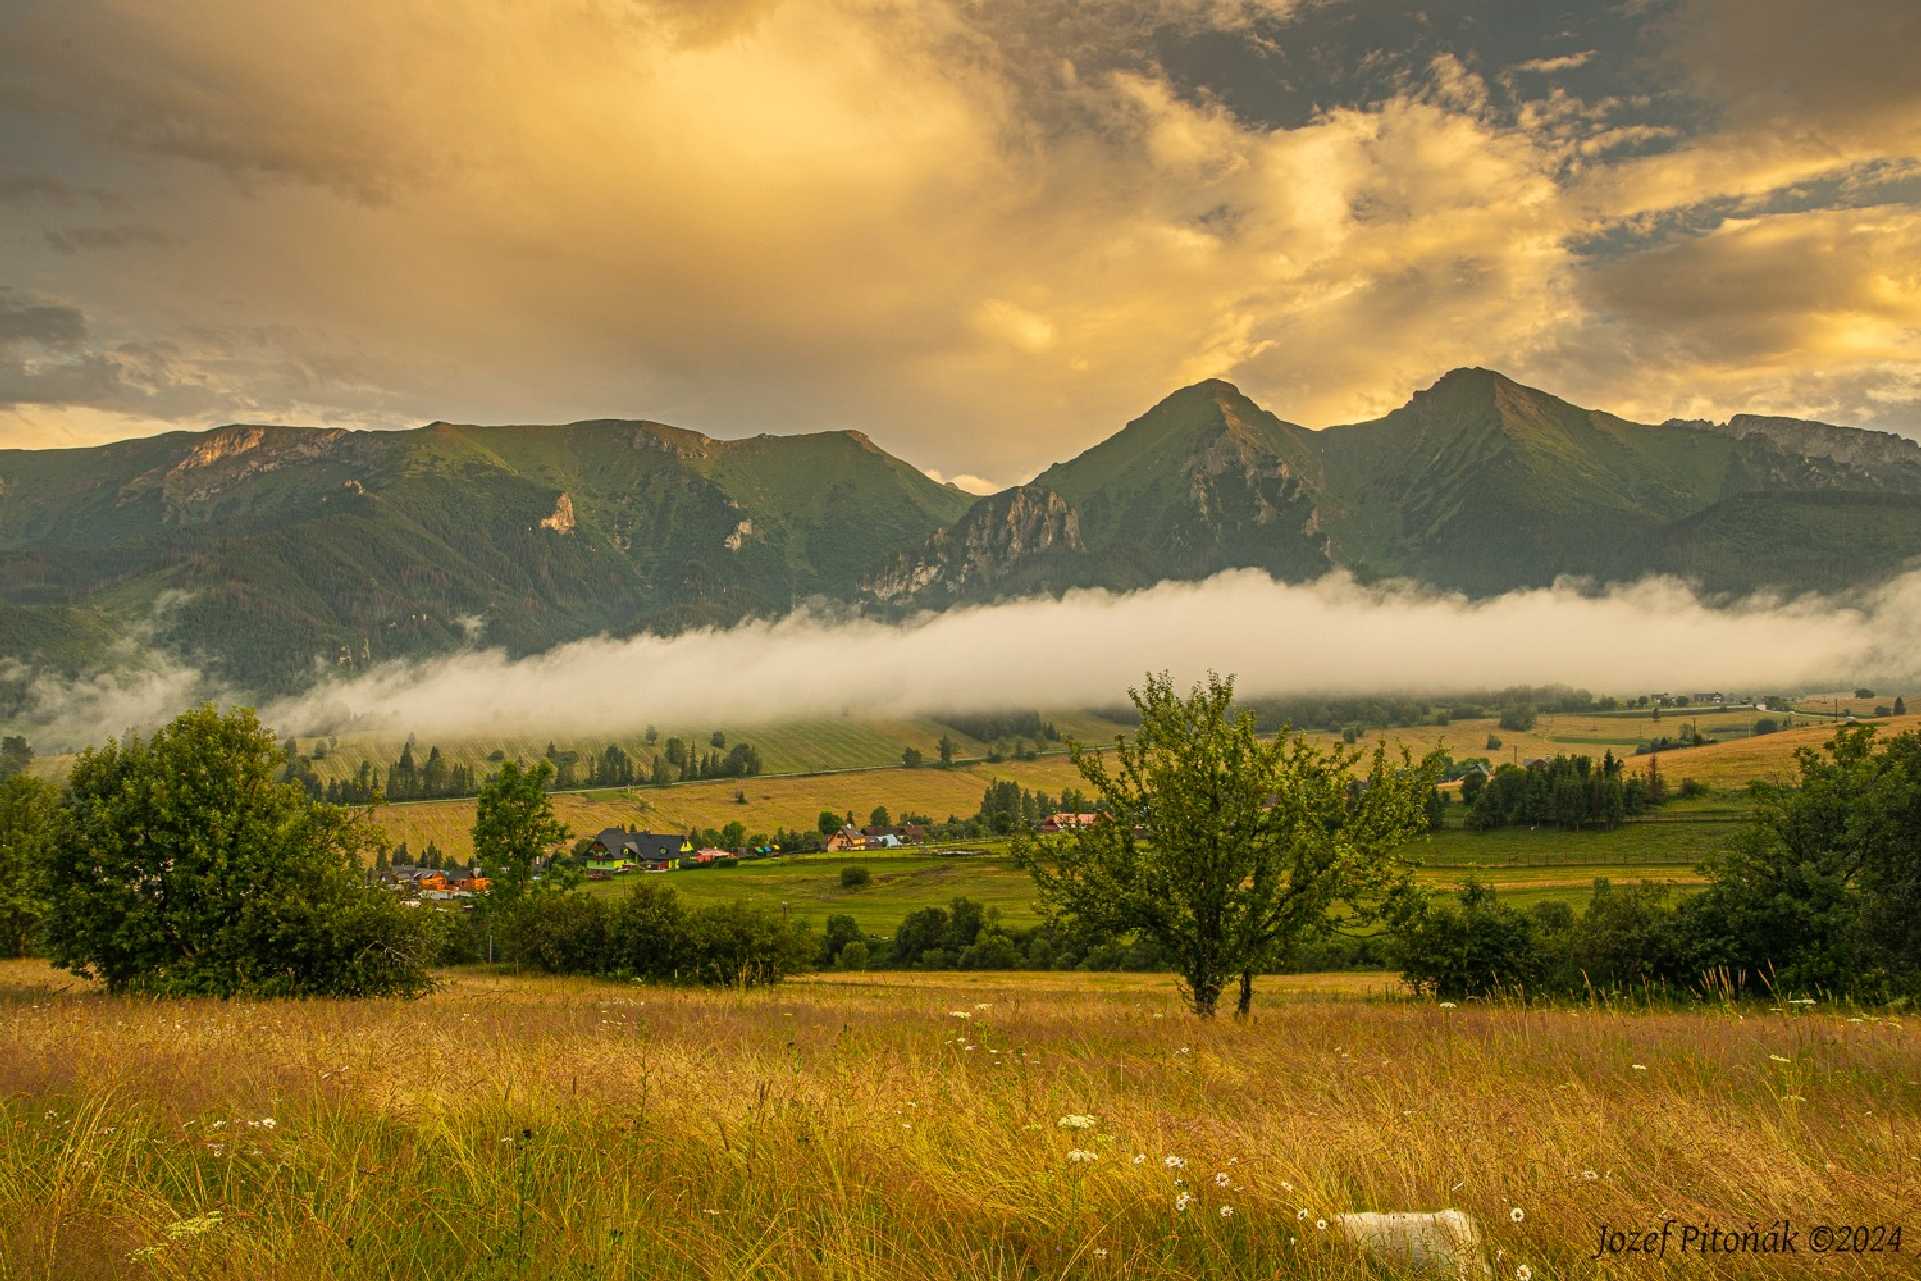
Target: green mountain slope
{"x": 271, "y": 553}
{"x": 1478, "y": 484}
{"x": 274, "y": 554}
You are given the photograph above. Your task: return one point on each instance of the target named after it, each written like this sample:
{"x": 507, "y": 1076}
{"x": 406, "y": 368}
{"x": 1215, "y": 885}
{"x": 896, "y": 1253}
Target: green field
{"x": 808, "y": 885}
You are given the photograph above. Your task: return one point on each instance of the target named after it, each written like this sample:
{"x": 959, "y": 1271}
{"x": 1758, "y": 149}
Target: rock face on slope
{"x": 1004, "y": 541}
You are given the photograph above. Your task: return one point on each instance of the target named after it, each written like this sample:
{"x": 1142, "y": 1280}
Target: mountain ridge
{"x": 281, "y": 552}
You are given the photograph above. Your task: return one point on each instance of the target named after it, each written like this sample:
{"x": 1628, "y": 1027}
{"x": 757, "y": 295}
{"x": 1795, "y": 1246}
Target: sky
{"x": 986, "y": 233}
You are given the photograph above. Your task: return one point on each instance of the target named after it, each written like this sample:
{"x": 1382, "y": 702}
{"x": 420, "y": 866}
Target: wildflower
{"x": 1302, "y": 1214}
{"x": 1100, "y": 1252}
{"x": 1184, "y": 1050}
{"x": 1081, "y": 1156}
{"x": 1174, "y": 1163}
{"x": 1182, "y": 1201}
{"x": 1320, "y": 1225}
{"x": 1778, "y": 1059}
{"x": 1517, "y": 1214}
{"x": 199, "y": 1225}
{"x": 1220, "y": 1179}
{"x": 960, "y": 1014}
{"x": 981, "y": 1005}
{"x": 1639, "y": 1067}
{"x": 1449, "y": 1005}
{"x": 1523, "y": 1273}
{"x": 1077, "y": 1121}
{"x": 1227, "y": 1212}
{"x": 1140, "y": 1158}
{"x": 1589, "y": 1175}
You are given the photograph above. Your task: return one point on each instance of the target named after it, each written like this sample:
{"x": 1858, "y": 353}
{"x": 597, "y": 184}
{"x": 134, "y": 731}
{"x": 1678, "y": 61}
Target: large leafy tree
{"x": 1819, "y": 891}
{"x": 28, "y": 812}
{"x": 1226, "y": 848}
{"x": 182, "y": 865}
{"x": 514, "y": 827}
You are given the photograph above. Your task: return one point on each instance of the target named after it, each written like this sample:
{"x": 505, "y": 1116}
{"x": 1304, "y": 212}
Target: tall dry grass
{"x": 864, "y": 1129}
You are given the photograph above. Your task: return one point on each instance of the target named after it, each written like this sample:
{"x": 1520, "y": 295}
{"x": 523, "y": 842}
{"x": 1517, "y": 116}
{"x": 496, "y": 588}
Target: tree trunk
{"x": 1206, "y": 993}
{"x": 1247, "y": 995}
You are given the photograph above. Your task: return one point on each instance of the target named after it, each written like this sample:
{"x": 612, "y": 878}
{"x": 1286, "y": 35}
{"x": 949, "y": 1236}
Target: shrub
{"x": 852, "y": 957}
{"x": 1493, "y": 744}
{"x": 1474, "y": 947}
{"x": 560, "y": 933}
{"x": 185, "y": 867}
{"x": 853, "y": 878}
{"x": 841, "y": 930}
{"x": 1518, "y": 717}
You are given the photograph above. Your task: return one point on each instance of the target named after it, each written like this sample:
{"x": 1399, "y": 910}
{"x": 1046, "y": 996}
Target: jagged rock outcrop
{"x": 1000, "y": 539}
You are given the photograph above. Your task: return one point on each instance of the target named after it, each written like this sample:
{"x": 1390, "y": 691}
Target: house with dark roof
{"x": 619, "y": 850}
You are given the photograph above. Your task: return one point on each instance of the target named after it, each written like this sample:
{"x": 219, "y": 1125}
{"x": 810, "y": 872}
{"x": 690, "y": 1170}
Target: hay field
{"x": 857, "y": 1129}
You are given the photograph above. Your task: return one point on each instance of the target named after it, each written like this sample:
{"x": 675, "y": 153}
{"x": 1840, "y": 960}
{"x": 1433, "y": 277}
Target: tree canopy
{"x": 182, "y": 865}
{"x": 1223, "y": 847}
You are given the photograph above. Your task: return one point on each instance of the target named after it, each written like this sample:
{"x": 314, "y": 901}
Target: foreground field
{"x": 860, "y": 1129}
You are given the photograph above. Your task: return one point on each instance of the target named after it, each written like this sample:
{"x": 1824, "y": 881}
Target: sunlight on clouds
{"x": 981, "y": 233}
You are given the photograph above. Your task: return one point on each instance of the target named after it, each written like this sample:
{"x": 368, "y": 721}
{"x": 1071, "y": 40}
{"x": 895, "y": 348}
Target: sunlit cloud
{"x": 985, "y": 234}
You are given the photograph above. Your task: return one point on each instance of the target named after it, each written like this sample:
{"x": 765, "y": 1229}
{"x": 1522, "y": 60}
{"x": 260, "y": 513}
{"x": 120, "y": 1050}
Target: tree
{"x": 946, "y": 750}
{"x": 841, "y": 931}
{"x": 514, "y": 825}
{"x": 718, "y": 739}
{"x": 183, "y": 866}
{"x": 29, "y": 810}
{"x": 1819, "y": 889}
{"x": 1518, "y": 717}
{"x": 829, "y": 822}
{"x": 16, "y": 755}
{"x": 1900, "y": 705}
{"x": 1225, "y": 849}
{"x": 879, "y": 817}
{"x": 910, "y": 757}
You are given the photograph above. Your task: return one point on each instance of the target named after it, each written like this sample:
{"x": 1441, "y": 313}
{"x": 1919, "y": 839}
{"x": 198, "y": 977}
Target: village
{"x": 616, "y": 851}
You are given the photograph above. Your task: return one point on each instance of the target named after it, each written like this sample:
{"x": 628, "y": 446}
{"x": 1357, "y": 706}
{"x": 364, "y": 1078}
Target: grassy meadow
{"x": 859, "y": 1127}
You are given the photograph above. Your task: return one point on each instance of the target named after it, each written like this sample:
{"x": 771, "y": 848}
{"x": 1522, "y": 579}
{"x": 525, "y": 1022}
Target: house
{"x": 847, "y": 838}
{"x": 617, "y": 850}
{"x": 885, "y": 841}
{"x": 1063, "y": 822}
{"x": 433, "y": 883}
{"x": 474, "y": 884}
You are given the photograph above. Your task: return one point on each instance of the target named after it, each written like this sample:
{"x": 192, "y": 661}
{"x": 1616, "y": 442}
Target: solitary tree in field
{"x": 1223, "y": 848}
{"x": 514, "y": 825}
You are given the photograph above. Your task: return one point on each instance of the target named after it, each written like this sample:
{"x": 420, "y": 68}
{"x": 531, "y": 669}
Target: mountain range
{"x": 271, "y": 554}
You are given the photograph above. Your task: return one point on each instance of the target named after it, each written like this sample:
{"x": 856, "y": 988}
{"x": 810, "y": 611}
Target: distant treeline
{"x": 993, "y": 727}
{"x": 410, "y": 779}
